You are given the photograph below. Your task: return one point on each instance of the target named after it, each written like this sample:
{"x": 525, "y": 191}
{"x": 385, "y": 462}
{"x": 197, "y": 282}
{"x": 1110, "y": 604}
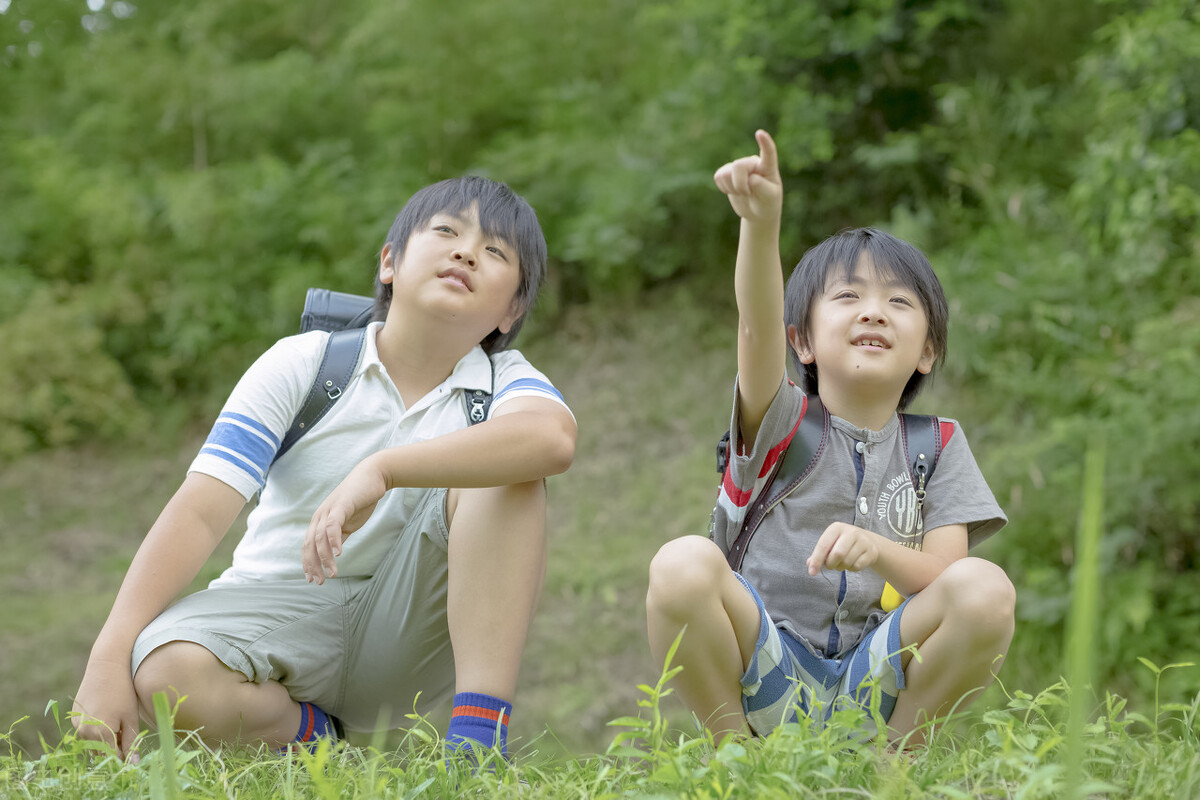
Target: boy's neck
{"x": 865, "y": 408}
{"x": 418, "y": 360}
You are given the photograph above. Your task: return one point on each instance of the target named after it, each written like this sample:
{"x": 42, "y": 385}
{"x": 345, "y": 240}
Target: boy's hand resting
{"x": 345, "y": 510}
{"x": 844, "y": 547}
{"x": 106, "y": 708}
{"x": 752, "y": 184}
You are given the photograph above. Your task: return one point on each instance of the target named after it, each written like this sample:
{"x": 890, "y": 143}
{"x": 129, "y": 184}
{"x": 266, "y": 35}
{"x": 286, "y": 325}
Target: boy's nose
{"x": 465, "y": 256}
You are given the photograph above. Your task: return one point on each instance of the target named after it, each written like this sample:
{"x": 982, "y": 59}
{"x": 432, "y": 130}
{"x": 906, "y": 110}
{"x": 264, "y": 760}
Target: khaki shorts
{"x": 357, "y": 647}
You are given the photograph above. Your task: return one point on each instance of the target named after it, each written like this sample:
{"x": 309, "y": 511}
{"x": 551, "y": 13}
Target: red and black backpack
{"x": 923, "y": 437}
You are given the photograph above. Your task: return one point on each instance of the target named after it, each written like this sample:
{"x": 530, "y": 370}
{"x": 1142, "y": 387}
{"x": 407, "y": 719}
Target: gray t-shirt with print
{"x": 860, "y": 478}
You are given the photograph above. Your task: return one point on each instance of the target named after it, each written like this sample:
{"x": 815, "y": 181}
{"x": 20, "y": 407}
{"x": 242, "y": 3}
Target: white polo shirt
{"x": 369, "y": 417}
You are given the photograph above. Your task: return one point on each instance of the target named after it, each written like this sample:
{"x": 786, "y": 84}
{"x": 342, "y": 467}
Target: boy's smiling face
{"x": 866, "y": 333}
{"x": 452, "y": 268}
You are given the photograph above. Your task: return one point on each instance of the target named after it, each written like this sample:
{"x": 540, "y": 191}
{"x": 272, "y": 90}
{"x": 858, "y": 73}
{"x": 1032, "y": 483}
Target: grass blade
{"x": 1081, "y": 624}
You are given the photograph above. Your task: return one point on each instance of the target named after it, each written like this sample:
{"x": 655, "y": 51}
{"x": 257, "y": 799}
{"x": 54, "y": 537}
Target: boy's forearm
{"x": 758, "y": 276}
{"x": 908, "y": 570}
{"x": 508, "y": 449}
{"x": 758, "y": 287}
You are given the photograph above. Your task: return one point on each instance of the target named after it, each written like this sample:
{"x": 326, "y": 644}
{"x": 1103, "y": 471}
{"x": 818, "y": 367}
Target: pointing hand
{"x": 752, "y": 183}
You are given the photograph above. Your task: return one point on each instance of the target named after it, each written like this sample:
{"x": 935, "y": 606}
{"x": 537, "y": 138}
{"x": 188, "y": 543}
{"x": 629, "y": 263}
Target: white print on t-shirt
{"x": 898, "y": 505}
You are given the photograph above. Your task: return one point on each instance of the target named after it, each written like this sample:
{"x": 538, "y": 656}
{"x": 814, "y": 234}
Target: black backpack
{"x": 921, "y": 434}
{"x": 345, "y": 316}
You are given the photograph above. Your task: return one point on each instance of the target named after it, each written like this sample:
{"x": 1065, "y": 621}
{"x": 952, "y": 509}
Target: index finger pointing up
{"x": 768, "y": 155}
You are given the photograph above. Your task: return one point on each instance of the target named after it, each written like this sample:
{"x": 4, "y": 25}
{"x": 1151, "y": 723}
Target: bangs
{"x": 890, "y": 259}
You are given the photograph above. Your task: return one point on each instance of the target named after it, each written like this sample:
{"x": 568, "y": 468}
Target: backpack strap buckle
{"x": 478, "y": 402}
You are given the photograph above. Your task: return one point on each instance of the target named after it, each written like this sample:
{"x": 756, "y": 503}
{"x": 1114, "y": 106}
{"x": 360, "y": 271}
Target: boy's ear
{"x": 387, "y": 263}
{"x": 514, "y": 314}
{"x": 928, "y": 358}
{"x": 802, "y": 349}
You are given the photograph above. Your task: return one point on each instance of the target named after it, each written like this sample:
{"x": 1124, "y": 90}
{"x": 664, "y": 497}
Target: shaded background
{"x": 174, "y": 176}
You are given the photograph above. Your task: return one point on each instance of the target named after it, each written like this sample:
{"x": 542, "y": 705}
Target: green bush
{"x": 63, "y": 386}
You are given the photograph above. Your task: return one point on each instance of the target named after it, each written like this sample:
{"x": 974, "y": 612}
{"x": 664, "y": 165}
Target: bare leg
{"x": 690, "y": 584}
{"x": 962, "y": 625}
{"x": 497, "y": 562}
{"x": 219, "y": 702}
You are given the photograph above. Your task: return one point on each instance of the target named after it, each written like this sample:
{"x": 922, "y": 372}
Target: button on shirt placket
{"x": 868, "y": 485}
{"x": 403, "y": 418}
{"x": 863, "y": 508}
{"x": 849, "y": 580}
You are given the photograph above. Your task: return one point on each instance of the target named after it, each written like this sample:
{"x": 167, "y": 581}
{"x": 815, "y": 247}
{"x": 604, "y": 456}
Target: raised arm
{"x": 526, "y": 439}
{"x": 755, "y": 192}
{"x": 181, "y": 540}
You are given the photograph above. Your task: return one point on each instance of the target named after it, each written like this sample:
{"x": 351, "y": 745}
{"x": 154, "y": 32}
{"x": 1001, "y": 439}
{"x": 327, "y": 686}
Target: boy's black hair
{"x": 502, "y": 213}
{"x": 893, "y": 259}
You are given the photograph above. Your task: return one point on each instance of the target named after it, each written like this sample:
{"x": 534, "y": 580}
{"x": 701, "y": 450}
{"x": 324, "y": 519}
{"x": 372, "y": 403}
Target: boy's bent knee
{"x": 178, "y": 668}
{"x": 684, "y": 572}
{"x": 980, "y": 593}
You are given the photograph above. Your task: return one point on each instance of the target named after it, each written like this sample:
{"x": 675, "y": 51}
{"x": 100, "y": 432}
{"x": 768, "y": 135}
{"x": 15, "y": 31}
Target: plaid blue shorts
{"x": 785, "y": 680}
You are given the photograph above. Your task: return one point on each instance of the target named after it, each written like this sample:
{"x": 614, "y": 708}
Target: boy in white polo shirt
{"x": 395, "y": 550}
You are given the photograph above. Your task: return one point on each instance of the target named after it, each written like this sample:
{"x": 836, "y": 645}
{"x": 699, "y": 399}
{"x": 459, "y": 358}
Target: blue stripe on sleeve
{"x": 236, "y": 460}
{"x": 252, "y": 423}
{"x": 530, "y": 383}
{"x": 231, "y": 434}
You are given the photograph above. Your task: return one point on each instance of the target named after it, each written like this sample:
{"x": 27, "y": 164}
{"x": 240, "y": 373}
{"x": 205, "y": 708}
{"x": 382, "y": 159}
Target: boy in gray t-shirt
{"x": 849, "y": 573}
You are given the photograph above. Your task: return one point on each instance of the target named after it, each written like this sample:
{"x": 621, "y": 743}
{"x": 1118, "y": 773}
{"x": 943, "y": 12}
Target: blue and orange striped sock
{"x": 478, "y": 720}
{"x": 316, "y": 724}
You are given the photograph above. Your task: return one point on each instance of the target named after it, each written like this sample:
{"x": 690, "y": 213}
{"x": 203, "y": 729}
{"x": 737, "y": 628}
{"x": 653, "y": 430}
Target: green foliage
{"x": 1016, "y": 750}
{"x": 1072, "y": 272}
{"x": 193, "y": 168}
{"x": 69, "y": 387}
{"x": 175, "y": 175}
{"x": 652, "y": 733}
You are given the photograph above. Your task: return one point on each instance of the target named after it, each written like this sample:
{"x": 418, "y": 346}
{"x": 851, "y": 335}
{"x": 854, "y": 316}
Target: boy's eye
{"x": 497, "y": 251}
{"x": 843, "y": 294}
{"x": 902, "y": 301}
{"x": 443, "y": 228}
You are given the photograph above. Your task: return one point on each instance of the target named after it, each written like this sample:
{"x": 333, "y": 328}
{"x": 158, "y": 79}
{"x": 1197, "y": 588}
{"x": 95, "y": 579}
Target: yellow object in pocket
{"x": 891, "y": 599}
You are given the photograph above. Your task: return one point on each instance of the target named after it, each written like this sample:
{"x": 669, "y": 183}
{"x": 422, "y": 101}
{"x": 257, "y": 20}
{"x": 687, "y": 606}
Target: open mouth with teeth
{"x": 871, "y": 343}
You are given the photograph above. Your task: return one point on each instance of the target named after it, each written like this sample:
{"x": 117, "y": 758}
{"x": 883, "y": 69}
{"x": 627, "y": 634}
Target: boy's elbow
{"x": 546, "y": 436}
{"x": 561, "y": 449}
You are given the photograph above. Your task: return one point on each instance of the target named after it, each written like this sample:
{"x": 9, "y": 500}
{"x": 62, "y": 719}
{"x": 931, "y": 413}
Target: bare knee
{"x": 979, "y": 595}
{"x": 684, "y": 574}
{"x": 178, "y": 669}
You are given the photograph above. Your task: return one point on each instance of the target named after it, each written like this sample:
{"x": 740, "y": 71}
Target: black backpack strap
{"x": 342, "y": 351}
{"x": 796, "y": 463}
{"x": 478, "y": 402}
{"x": 922, "y": 438}
{"x": 723, "y": 453}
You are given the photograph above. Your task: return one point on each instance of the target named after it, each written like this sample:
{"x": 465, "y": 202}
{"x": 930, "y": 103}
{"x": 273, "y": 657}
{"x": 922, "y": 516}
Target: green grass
{"x": 1014, "y": 751}
{"x": 651, "y": 388}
